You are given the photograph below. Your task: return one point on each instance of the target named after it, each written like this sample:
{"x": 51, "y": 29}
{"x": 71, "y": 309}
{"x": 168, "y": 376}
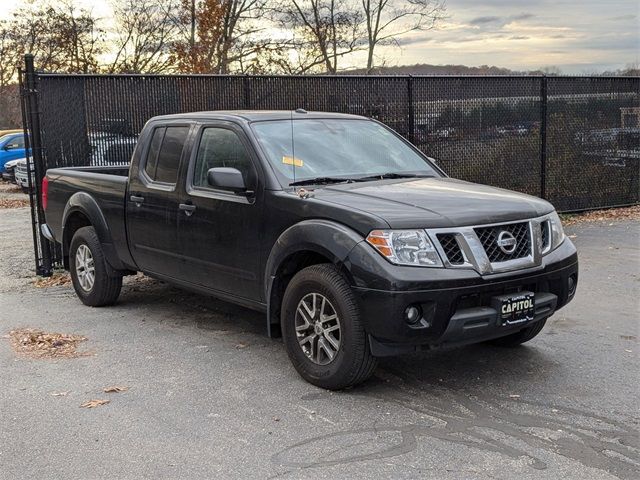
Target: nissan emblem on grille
{"x": 507, "y": 242}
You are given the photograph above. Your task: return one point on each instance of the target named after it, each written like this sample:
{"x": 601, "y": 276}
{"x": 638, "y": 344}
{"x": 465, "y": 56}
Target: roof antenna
{"x": 293, "y": 150}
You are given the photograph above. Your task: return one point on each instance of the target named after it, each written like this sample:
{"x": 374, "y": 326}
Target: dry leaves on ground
{"x": 115, "y": 389}
{"x": 94, "y": 403}
{"x": 626, "y": 213}
{"x": 38, "y": 344}
{"x": 55, "y": 280}
{"x": 14, "y": 203}
{"x": 10, "y": 187}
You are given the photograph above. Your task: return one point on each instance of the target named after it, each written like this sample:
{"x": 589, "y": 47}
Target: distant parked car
{"x": 109, "y": 149}
{"x": 9, "y": 174}
{"x": 11, "y": 148}
{"x": 22, "y": 176}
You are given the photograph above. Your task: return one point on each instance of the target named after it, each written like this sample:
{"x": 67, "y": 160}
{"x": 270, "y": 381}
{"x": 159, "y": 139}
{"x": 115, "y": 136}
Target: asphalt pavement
{"x": 211, "y": 396}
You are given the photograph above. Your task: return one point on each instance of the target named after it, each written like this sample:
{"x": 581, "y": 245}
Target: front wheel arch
{"x": 307, "y": 243}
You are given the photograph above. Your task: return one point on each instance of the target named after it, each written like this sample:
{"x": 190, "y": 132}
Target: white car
{"x": 10, "y": 170}
{"x": 22, "y": 177}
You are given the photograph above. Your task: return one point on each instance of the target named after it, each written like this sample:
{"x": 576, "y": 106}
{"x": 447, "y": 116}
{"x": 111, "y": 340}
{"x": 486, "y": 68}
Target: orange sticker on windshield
{"x": 296, "y": 162}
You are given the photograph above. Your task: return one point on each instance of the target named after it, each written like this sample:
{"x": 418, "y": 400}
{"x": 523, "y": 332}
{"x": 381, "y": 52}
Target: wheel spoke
{"x": 305, "y": 317}
{"x": 333, "y": 341}
{"x": 310, "y": 311}
{"x": 329, "y": 318}
{"x": 329, "y": 352}
{"x": 307, "y": 339}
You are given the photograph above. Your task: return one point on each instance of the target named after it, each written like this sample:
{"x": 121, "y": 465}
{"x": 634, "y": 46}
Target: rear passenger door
{"x": 221, "y": 232}
{"x": 153, "y": 199}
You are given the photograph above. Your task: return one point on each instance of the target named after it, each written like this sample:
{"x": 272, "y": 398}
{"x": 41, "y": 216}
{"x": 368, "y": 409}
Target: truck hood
{"x": 434, "y": 202}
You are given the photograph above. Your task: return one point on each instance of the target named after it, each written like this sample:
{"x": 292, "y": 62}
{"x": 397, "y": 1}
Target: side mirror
{"x": 11, "y": 146}
{"x": 226, "y": 178}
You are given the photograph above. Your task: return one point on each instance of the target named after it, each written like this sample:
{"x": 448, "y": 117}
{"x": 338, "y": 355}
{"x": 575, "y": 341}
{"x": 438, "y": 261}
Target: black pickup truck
{"x": 354, "y": 243}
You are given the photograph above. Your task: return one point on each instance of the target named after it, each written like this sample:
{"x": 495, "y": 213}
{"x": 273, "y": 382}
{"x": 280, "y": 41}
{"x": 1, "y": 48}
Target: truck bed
{"x": 107, "y": 187}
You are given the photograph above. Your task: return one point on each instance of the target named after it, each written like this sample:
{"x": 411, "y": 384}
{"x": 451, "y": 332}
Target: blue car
{"x": 11, "y": 148}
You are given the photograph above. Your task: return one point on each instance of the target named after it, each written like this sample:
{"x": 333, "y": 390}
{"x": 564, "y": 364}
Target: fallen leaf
{"x": 115, "y": 389}
{"x": 94, "y": 403}
{"x": 60, "y": 394}
{"x": 241, "y": 345}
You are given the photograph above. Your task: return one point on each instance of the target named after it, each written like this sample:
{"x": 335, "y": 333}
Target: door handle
{"x": 187, "y": 208}
{"x": 137, "y": 200}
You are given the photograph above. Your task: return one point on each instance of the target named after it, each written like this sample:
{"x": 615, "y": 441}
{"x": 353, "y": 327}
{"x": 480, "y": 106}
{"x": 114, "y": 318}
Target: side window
{"x": 220, "y": 147}
{"x": 165, "y": 150}
{"x": 18, "y": 141}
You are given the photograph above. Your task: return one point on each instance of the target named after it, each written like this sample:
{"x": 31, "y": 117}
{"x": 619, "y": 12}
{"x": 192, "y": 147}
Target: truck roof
{"x": 255, "y": 115}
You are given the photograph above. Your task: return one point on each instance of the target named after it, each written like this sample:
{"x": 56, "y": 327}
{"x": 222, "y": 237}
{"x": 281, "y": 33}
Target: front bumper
{"x": 455, "y": 303}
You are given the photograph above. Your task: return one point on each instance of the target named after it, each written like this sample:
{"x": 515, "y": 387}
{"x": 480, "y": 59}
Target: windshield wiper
{"x": 388, "y": 175}
{"x": 321, "y": 180}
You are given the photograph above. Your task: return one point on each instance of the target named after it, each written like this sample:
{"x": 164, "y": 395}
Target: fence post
{"x": 31, "y": 120}
{"x": 246, "y": 90}
{"x": 410, "y": 109}
{"x": 543, "y": 137}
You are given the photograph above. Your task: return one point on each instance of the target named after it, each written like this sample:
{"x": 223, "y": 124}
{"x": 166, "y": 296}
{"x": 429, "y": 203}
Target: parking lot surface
{"x": 210, "y": 396}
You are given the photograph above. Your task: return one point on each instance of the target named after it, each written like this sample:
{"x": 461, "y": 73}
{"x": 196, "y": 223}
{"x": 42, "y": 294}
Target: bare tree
{"x": 387, "y": 21}
{"x": 142, "y": 36}
{"x": 80, "y": 37}
{"x": 220, "y": 36}
{"x": 324, "y": 31}
{"x": 61, "y": 36}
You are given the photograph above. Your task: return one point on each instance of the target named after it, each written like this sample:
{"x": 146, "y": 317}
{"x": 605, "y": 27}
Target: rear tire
{"x": 520, "y": 337}
{"x": 93, "y": 279}
{"x": 335, "y": 305}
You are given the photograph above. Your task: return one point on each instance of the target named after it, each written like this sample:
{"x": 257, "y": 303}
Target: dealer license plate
{"x": 515, "y": 308}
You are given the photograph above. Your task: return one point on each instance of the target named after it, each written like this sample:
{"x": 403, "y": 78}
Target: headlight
{"x": 405, "y": 247}
{"x": 557, "y": 232}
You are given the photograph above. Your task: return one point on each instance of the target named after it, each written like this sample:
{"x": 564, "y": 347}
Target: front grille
{"x": 488, "y": 236}
{"x": 544, "y": 234}
{"x": 451, "y": 248}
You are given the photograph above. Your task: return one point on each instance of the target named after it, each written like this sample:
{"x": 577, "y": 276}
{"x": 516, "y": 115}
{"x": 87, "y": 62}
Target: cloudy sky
{"x": 577, "y": 36}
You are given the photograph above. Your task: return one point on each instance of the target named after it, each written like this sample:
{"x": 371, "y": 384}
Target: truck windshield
{"x": 335, "y": 149}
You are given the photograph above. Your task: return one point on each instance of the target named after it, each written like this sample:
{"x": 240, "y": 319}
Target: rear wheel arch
{"x": 74, "y": 222}
{"x": 83, "y": 211}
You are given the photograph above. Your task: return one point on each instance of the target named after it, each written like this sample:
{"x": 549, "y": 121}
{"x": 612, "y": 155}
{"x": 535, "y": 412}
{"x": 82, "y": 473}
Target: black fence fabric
{"x": 572, "y": 140}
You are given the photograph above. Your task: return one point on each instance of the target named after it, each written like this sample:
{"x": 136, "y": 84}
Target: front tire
{"x": 323, "y": 329}
{"x": 90, "y": 273}
{"x": 520, "y": 337}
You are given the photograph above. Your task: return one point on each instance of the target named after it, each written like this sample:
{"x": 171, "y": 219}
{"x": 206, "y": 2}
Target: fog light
{"x": 412, "y": 314}
{"x": 571, "y": 285}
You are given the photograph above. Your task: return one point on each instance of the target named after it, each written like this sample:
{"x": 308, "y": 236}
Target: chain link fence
{"x": 572, "y": 140}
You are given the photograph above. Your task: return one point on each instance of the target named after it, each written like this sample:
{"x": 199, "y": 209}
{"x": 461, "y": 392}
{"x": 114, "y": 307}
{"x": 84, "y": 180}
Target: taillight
{"x": 45, "y": 192}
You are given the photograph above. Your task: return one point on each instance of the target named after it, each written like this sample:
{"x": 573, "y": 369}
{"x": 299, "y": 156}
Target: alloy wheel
{"x": 318, "y": 328}
{"x": 85, "y": 268}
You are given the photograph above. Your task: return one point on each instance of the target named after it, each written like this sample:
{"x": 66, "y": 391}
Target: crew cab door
{"x": 153, "y": 199}
{"x": 220, "y": 231}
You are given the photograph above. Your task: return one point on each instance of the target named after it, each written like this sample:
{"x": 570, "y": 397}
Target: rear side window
{"x": 165, "y": 150}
